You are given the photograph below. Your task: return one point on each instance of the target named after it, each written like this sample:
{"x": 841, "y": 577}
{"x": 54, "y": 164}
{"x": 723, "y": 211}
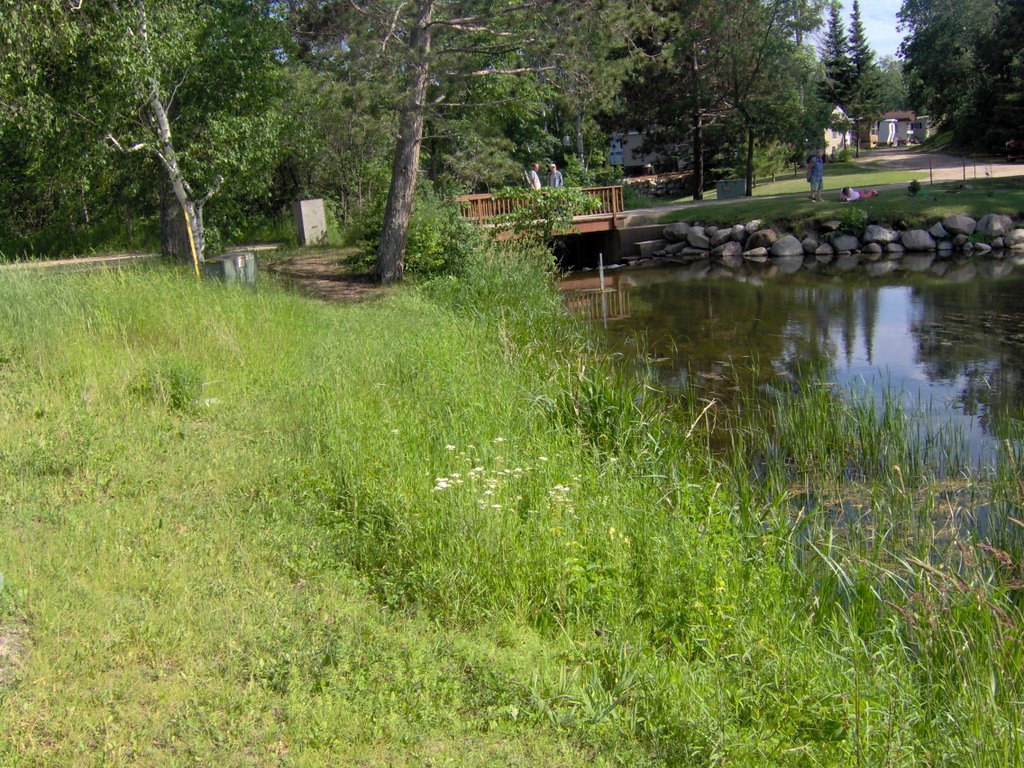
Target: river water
{"x": 946, "y": 337}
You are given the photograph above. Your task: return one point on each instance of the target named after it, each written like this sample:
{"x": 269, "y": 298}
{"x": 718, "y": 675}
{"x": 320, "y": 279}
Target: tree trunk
{"x": 750, "y": 163}
{"x": 174, "y": 241}
{"x": 395, "y": 234}
{"x": 698, "y": 156}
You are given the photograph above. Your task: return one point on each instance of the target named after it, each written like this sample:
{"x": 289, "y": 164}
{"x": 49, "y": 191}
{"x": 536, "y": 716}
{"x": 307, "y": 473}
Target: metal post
{"x": 600, "y": 268}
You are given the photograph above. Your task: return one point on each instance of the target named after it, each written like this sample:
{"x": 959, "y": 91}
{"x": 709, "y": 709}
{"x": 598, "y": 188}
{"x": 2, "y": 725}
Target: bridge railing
{"x": 483, "y": 208}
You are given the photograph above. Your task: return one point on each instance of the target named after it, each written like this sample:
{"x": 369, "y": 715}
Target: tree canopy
{"x": 212, "y": 112}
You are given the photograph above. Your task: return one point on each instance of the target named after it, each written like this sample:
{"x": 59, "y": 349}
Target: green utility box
{"x": 730, "y": 189}
{"x": 237, "y": 268}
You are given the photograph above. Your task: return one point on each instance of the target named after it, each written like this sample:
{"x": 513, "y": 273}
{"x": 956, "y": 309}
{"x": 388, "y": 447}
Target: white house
{"x": 834, "y": 138}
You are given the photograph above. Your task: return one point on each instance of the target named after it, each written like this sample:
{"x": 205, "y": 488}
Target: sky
{"x": 879, "y": 17}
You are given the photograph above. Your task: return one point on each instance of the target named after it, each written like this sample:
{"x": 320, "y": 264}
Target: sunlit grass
{"x": 245, "y": 528}
{"x": 891, "y": 206}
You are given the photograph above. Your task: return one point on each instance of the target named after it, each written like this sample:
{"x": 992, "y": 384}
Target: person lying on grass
{"x": 850, "y": 194}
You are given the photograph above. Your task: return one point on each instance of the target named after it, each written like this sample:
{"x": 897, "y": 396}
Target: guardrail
{"x": 484, "y": 208}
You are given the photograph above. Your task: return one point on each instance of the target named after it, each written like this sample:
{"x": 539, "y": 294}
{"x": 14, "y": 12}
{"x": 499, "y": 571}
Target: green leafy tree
{"x": 537, "y": 215}
{"x": 190, "y": 83}
{"x": 433, "y": 46}
{"x": 764, "y": 69}
{"x": 893, "y": 86}
{"x": 942, "y": 63}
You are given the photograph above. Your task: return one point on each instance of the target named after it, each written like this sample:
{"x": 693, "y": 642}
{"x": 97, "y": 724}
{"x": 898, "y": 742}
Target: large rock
{"x": 878, "y": 234}
{"x": 676, "y": 231}
{"x": 960, "y": 241}
{"x": 995, "y": 224}
{"x": 762, "y": 238}
{"x": 729, "y": 248}
{"x": 960, "y": 225}
{"x": 645, "y": 249}
{"x": 845, "y": 243}
{"x": 739, "y": 233}
{"x": 944, "y": 247}
{"x": 720, "y": 236}
{"x": 831, "y": 225}
{"x": 673, "y": 248}
{"x": 872, "y": 251}
{"x": 918, "y": 240}
{"x": 824, "y": 250}
{"x": 697, "y": 238}
{"x": 896, "y": 249}
{"x": 759, "y": 255}
{"x": 787, "y": 246}
{"x": 1014, "y": 239}
{"x": 938, "y": 231}
{"x": 810, "y": 244}
{"x": 752, "y": 226}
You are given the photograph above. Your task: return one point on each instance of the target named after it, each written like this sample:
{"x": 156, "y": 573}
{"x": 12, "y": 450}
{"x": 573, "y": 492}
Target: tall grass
{"x": 246, "y": 528}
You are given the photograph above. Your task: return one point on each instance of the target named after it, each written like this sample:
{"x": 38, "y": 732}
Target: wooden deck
{"x": 483, "y": 209}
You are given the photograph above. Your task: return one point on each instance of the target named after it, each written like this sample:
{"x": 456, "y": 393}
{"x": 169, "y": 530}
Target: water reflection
{"x": 946, "y": 336}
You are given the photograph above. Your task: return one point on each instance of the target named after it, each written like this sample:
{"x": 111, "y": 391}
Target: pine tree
{"x": 864, "y": 98}
{"x": 835, "y": 57}
{"x": 861, "y": 57}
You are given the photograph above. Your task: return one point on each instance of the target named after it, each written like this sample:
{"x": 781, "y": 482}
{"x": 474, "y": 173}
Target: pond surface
{"x": 946, "y": 337}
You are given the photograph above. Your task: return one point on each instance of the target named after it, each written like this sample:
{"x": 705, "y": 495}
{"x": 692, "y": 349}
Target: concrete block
{"x": 310, "y": 221}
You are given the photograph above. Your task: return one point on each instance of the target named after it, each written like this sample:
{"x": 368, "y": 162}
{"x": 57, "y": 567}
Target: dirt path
{"x": 324, "y": 274}
{"x": 943, "y": 167}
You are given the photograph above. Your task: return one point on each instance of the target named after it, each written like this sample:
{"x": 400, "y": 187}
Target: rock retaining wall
{"x": 992, "y": 234}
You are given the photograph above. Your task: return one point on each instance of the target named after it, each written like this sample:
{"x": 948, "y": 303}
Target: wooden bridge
{"x": 484, "y": 208}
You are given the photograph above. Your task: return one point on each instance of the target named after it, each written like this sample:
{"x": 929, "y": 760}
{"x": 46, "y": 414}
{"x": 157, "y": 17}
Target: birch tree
{"x": 186, "y": 82}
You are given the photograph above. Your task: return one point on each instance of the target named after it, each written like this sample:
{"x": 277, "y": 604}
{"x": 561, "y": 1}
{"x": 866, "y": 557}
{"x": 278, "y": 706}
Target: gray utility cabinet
{"x": 238, "y": 268}
{"x": 730, "y": 189}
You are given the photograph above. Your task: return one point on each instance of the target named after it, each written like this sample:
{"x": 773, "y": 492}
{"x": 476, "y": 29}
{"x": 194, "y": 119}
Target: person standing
{"x": 816, "y": 175}
{"x": 533, "y": 177}
{"x": 555, "y": 176}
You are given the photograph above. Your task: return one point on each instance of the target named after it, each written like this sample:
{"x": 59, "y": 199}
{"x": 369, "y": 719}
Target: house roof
{"x": 899, "y": 115}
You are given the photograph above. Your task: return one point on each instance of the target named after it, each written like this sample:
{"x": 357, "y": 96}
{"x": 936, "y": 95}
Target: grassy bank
{"x": 893, "y": 206}
{"x": 243, "y": 528}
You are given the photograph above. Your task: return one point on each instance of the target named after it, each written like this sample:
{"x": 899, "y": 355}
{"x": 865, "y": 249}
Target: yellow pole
{"x": 191, "y": 239}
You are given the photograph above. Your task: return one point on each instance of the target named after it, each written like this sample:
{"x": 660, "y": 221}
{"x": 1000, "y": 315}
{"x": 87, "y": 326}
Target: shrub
{"x": 439, "y": 237}
{"x": 540, "y": 213}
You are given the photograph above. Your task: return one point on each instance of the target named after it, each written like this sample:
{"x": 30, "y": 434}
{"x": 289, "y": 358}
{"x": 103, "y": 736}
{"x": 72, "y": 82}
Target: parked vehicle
{"x": 1014, "y": 150}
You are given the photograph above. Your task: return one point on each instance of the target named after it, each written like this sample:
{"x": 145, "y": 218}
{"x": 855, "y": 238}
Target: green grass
{"x": 892, "y": 206}
{"x": 59, "y": 241}
{"x": 245, "y": 528}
